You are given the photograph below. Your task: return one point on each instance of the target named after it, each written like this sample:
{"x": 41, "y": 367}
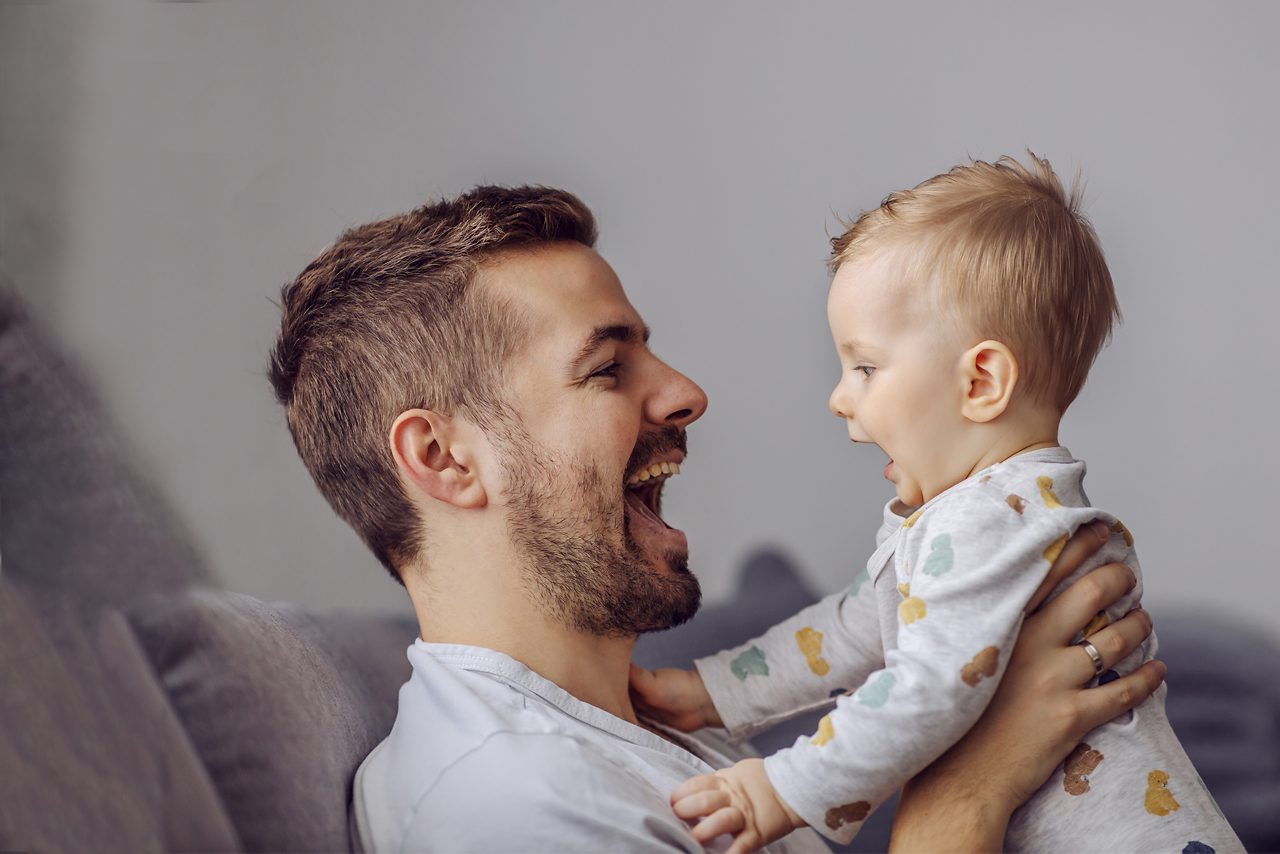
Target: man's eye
{"x": 866, "y": 370}
{"x": 609, "y": 370}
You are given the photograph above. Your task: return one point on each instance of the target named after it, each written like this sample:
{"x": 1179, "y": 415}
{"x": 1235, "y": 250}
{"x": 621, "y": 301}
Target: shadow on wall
{"x": 1223, "y": 706}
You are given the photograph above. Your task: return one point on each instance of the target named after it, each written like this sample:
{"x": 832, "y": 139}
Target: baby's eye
{"x": 866, "y": 370}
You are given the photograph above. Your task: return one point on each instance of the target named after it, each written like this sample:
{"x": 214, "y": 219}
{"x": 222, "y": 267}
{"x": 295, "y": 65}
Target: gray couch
{"x": 143, "y": 708}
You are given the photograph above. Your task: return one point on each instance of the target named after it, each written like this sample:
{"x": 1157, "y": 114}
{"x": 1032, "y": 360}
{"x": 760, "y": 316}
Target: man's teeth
{"x": 655, "y": 470}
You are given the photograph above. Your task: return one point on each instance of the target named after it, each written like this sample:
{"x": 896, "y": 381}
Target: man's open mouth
{"x": 644, "y": 490}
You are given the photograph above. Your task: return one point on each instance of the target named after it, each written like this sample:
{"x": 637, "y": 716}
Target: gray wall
{"x": 167, "y": 167}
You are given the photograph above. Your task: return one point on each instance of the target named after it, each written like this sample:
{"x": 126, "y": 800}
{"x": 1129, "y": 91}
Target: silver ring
{"x": 1094, "y": 656}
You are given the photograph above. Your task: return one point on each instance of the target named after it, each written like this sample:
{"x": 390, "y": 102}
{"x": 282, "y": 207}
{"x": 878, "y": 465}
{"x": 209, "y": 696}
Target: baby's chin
{"x": 908, "y": 490}
{"x": 909, "y": 494}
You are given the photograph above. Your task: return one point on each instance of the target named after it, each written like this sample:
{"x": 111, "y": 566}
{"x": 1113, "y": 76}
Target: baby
{"x": 966, "y": 313}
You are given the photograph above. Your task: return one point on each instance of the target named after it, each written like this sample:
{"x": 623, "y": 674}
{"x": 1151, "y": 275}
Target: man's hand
{"x": 674, "y": 697}
{"x": 739, "y": 800}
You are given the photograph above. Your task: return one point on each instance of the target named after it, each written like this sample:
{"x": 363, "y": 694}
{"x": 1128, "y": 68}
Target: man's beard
{"x": 563, "y": 519}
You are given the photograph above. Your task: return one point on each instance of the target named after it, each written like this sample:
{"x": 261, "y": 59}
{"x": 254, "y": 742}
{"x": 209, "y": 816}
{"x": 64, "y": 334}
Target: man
{"x": 471, "y": 390}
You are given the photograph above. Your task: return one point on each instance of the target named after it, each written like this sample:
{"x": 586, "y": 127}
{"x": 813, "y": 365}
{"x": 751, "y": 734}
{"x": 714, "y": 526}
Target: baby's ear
{"x": 989, "y": 373}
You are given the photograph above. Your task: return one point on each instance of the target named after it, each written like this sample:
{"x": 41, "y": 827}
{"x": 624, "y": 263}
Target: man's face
{"x": 597, "y": 412}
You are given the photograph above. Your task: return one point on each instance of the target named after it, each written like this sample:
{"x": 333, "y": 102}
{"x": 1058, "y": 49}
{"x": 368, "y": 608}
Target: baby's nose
{"x": 838, "y": 406}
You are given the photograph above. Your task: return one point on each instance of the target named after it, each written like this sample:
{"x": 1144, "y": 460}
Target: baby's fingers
{"x": 699, "y": 804}
{"x": 724, "y": 820}
{"x": 693, "y": 790}
{"x": 744, "y": 843}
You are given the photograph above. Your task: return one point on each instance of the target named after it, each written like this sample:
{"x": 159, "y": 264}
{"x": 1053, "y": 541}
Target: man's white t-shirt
{"x": 487, "y": 755}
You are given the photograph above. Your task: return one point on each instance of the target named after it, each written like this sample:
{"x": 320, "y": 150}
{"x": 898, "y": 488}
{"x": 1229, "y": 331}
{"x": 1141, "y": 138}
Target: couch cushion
{"x": 75, "y": 516}
{"x": 1226, "y": 712}
{"x": 92, "y": 756}
{"x": 281, "y": 705}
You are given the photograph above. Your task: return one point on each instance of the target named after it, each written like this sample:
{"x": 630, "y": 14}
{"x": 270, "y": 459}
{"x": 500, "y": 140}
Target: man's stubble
{"x": 580, "y": 561}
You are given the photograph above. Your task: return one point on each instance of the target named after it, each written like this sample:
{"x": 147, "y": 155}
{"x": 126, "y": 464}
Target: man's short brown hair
{"x": 1008, "y": 254}
{"x": 386, "y": 320}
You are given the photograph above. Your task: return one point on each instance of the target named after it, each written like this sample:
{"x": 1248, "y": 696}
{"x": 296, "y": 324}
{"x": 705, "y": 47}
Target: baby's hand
{"x": 739, "y": 800}
{"x": 675, "y": 697}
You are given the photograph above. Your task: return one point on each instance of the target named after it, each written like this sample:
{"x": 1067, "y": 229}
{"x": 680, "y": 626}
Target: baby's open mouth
{"x": 644, "y": 490}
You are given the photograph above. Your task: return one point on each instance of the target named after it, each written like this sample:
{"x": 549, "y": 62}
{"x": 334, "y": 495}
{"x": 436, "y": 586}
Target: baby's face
{"x": 900, "y": 384}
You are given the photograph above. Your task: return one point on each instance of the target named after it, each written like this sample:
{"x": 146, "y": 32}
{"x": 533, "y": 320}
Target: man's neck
{"x": 494, "y": 613}
{"x": 593, "y": 669}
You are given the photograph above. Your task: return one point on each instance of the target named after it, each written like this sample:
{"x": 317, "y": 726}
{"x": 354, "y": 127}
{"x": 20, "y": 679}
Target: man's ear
{"x": 437, "y": 454}
{"x": 989, "y": 374}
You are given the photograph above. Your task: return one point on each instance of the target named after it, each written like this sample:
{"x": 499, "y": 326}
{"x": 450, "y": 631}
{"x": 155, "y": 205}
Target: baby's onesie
{"x": 923, "y": 634}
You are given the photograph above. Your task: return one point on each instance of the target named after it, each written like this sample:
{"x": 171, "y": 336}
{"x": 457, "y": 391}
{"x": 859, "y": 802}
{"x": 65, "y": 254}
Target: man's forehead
{"x": 548, "y": 278}
{"x": 566, "y": 294}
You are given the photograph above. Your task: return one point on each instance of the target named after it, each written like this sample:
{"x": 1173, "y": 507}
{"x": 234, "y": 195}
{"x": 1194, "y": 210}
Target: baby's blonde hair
{"x": 1012, "y": 255}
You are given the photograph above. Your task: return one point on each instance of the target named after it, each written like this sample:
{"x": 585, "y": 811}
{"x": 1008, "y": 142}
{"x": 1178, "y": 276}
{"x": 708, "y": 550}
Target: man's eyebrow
{"x": 613, "y": 332}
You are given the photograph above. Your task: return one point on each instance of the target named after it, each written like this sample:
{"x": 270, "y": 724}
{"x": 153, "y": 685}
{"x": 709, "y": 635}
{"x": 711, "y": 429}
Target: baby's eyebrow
{"x": 853, "y": 347}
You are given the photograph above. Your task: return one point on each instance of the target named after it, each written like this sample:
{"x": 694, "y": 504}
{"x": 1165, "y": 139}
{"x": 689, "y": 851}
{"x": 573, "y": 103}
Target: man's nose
{"x": 678, "y": 401}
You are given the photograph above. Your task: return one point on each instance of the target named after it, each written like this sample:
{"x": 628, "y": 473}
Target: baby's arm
{"x": 799, "y": 664}
{"x": 972, "y": 561}
{"x": 841, "y": 628}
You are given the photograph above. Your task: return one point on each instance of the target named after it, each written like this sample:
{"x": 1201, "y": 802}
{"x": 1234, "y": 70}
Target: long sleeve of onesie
{"x": 802, "y": 663}
{"x": 824, "y": 650}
